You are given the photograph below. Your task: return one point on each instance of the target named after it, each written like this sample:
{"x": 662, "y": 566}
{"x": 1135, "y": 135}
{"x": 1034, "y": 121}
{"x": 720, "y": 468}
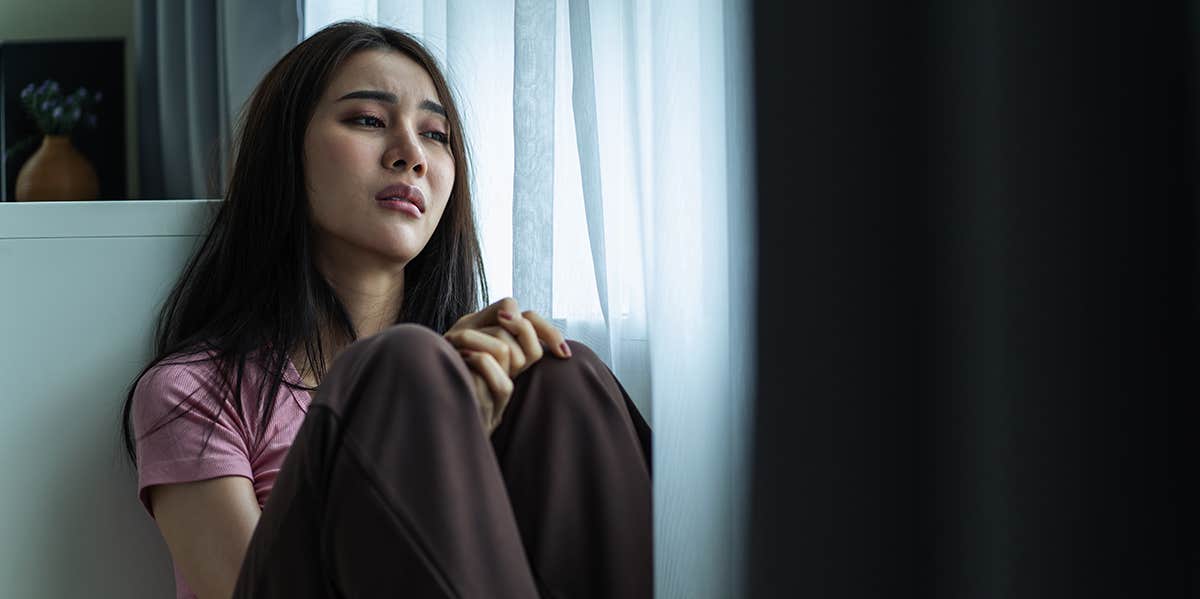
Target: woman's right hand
{"x": 492, "y": 389}
{"x": 498, "y": 343}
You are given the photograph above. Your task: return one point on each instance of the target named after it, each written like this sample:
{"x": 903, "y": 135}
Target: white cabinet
{"x": 80, "y": 288}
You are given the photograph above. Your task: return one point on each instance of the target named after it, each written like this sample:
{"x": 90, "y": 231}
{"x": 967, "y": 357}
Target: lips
{"x": 402, "y": 191}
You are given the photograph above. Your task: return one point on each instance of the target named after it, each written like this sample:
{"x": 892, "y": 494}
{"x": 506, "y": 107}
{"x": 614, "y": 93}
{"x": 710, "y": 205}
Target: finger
{"x": 487, "y": 316}
{"x": 499, "y": 384}
{"x": 547, "y": 333}
{"x": 479, "y": 341}
{"x": 526, "y": 336}
{"x": 484, "y": 403}
{"x": 516, "y": 354}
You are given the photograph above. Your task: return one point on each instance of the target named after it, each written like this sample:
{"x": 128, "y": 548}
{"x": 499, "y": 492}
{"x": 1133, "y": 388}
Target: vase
{"x": 56, "y": 171}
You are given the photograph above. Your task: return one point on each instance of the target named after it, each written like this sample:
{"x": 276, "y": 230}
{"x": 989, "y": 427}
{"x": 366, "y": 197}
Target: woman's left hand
{"x": 513, "y": 338}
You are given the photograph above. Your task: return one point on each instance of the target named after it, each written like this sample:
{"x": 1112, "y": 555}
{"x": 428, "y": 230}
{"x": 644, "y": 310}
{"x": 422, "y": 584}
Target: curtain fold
{"x": 198, "y": 63}
{"x": 583, "y": 104}
{"x": 533, "y": 155}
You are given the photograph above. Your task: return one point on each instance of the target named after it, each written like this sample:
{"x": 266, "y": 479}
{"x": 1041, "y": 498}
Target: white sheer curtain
{"x": 613, "y": 185}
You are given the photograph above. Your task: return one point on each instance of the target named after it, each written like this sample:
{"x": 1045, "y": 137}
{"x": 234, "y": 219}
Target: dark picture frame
{"x": 98, "y": 65}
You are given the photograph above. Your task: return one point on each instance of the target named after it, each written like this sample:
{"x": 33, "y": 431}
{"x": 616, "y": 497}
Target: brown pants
{"x": 392, "y": 489}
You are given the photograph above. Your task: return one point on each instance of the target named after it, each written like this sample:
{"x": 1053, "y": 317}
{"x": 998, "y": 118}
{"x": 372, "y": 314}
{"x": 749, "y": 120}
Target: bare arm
{"x": 207, "y": 526}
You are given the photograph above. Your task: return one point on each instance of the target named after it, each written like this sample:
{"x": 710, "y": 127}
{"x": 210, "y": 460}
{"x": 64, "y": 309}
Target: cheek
{"x": 332, "y": 169}
{"x": 441, "y": 176}
{"x": 333, "y": 161}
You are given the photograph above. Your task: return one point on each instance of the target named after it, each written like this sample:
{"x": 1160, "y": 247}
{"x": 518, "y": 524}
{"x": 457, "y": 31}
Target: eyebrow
{"x": 390, "y": 98}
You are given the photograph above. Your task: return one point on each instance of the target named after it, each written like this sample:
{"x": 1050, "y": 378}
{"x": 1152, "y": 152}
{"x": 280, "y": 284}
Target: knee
{"x": 410, "y": 338}
{"x": 405, "y": 373}
{"x": 582, "y": 355}
{"x": 582, "y": 382}
{"x": 583, "y": 362}
{"x": 415, "y": 347}
{"x": 411, "y": 358}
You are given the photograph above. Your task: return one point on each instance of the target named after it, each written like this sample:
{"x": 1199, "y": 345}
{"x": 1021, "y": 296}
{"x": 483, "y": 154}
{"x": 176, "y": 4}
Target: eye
{"x": 438, "y": 136}
{"x": 368, "y": 119}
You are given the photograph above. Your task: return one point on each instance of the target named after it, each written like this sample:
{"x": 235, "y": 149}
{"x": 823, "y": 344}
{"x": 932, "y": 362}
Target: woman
{"x": 329, "y": 415}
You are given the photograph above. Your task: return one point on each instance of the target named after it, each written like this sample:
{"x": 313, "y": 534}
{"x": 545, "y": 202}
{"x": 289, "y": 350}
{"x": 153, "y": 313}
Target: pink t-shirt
{"x": 172, "y": 453}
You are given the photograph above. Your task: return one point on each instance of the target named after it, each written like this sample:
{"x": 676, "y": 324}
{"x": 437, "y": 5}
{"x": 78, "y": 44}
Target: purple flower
{"x": 57, "y": 111}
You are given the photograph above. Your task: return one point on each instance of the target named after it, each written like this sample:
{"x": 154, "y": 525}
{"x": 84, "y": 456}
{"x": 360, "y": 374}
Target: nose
{"x": 405, "y": 153}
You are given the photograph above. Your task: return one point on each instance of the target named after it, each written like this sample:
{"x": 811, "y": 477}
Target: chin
{"x": 400, "y": 253}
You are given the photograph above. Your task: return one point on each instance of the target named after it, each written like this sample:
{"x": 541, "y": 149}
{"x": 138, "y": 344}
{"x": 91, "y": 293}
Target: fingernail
{"x": 505, "y": 315}
{"x": 566, "y": 349}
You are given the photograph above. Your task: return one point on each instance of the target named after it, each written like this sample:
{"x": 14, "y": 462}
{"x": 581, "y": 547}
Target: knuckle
{"x": 529, "y": 313}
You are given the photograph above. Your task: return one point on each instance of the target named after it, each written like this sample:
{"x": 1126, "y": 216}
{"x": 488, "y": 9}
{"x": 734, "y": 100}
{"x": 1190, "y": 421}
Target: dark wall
{"x": 976, "y": 241}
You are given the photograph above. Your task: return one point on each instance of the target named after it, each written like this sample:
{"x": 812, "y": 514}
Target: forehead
{"x": 381, "y": 70}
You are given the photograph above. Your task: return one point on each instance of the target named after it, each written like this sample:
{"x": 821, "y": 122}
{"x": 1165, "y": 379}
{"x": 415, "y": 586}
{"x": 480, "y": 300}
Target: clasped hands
{"x": 498, "y": 343}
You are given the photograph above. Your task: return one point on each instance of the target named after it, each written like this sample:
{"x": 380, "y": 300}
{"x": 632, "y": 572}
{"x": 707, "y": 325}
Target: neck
{"x": 372, "y": 300}
{"x": 369, "y": 287}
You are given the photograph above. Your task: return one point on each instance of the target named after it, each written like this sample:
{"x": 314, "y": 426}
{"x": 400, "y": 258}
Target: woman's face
{"x": 394, "y": 132}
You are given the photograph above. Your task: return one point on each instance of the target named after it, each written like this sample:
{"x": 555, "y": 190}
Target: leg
{"x": 391, "y": 487}
{"x": 575, "y": 454}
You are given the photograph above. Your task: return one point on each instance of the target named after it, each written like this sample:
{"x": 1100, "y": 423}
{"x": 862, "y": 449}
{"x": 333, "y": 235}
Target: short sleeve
{"x": 175, "y": 406}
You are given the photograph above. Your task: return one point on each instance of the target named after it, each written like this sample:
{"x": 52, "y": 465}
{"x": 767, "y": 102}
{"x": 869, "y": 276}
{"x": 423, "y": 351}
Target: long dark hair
{"x": 252, "y": 290}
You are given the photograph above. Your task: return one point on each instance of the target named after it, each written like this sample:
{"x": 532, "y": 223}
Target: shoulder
{"x": 192, "y": 383}
{"x": 198, "y": 381}
{"x": 187, "y": 426}
{"x": 178, "y": 375}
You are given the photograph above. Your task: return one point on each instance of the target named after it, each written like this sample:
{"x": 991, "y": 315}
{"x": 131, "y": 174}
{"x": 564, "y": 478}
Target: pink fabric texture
{"x": 171, "y": 454}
